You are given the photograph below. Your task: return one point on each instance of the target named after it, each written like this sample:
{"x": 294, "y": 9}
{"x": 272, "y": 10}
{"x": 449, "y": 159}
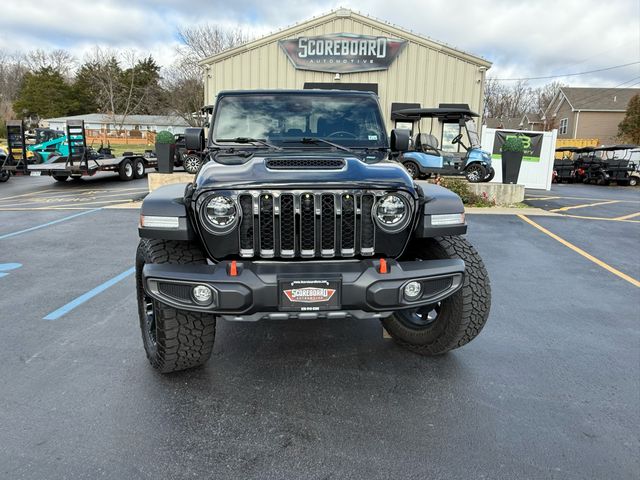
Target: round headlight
{"x": 221, "y": 213}
{"x": 392, "y": 212}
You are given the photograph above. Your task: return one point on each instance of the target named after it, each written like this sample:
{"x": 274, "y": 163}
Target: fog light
{"x": 202, "y": 294}
{"x": 412, "y": 290}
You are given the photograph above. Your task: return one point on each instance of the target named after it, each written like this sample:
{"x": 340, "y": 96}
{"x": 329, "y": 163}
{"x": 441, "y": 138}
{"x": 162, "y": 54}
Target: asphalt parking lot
{"x": 550, "y": 389}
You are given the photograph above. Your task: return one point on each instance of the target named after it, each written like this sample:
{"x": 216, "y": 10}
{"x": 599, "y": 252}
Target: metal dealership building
{"x": 346, "y": 50}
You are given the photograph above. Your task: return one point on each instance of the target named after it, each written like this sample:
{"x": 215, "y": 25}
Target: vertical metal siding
{"x": 420, "y": 74}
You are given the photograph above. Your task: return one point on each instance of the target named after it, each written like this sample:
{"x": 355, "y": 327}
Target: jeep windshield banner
{"x": 342, "y": 52}
{"x": 532, "y": 144}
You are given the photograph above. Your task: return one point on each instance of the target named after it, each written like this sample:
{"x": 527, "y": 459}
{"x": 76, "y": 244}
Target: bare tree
{"x": 184, "y": 79}
{"x": 507, "y": 101}
{"x": 544, "y": 95}
{"x": 120, "y": 91}
{"x": 58, "y": 60}
{"x": 201, "y": 41}
{"x": 12, "y": 70}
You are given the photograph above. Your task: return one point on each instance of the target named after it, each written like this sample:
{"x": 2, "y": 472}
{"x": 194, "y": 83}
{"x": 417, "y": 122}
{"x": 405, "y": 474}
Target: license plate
{"x": 309, "y": 295}
{"x": 35, "y": 174}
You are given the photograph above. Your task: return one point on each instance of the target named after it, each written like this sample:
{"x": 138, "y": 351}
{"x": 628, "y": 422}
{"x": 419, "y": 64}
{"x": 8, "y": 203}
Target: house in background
{"x": 579, "y": 112}
{"x": 130, "y": 126}
{"x": 529, "y": 121}
{"x": 509, "y": 123}
{"x": 533, "y": 122}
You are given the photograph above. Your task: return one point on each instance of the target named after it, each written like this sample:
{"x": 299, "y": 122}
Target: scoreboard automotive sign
{"x": 342, "y": 52}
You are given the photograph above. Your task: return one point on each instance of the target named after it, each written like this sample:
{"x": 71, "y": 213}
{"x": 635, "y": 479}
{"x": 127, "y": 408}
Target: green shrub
{"x": 460, "y": 188}
{"x": 513, "y": 144}
{"x": 3, "y": 129}
{"x": 165, "y": 137}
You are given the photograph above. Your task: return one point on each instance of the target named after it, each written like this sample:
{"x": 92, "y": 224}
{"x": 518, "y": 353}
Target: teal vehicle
{"x": 426, "y": 158}
{"x": 48, "y": 142}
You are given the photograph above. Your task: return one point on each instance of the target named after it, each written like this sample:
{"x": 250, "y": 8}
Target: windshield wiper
{"x": 254, "y": 141}
{"x": 308, "y": 140}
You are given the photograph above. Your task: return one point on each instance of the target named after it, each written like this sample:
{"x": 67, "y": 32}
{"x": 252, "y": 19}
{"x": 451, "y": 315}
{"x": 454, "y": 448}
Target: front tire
{"x": 490, "y": 175}
{"x": 173, "y": 339}
{"x": 475, "y": 173}
{"x": 192, "y": 164}
{"x": 412, "y": 169}
{"x": 60, "y": 178}
{"x": 4, "y": 176}
{"x": 455, "y": 321}
{"x": 633, "y": 181}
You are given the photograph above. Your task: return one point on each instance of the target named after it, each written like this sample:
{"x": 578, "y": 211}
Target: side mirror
{"x": 400, "y": 138}
{"x": 194, "y": 139}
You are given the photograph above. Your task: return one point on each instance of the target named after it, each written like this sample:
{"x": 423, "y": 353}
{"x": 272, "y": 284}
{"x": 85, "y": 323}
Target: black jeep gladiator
{"x": 300, "y": 214}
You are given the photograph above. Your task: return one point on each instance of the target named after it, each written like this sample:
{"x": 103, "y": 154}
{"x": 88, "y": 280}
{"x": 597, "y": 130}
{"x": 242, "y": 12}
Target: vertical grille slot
{"x": 287, "y": 226}
{"x": 348, "y": 225}
{"x": 328, "y": 222}
{"x": 367, "y": 228}
{"x": 307, "y": 225}
{"x": 266, "y": 225}
{"x": 246, "y": 226}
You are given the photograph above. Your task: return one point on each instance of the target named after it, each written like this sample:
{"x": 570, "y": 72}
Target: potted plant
{"x": 512, "y": 152}
{"x": 165, "y": 151}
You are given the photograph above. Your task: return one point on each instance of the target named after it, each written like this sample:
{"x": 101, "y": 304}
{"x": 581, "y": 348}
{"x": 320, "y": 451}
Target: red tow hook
{"x": 384, "y": 267}
{"x": 233, "y": 269}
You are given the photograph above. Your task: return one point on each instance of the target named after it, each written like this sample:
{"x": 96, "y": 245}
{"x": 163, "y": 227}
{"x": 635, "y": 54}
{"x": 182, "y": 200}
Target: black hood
{"x": 307, "y": 171}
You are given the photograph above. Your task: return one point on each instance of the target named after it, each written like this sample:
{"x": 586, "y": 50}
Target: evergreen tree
{"x": 45, "y": 94}
{"x": 629, "y": 127}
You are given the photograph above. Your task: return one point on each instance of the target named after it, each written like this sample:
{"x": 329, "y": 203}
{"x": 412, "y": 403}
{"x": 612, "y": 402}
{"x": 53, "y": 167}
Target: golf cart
{"x": 586, "y": 164}
{"x": 189, "y": 159}
{"x": 616, "y": 165}
{"x": 428, "y": 159}
{"x": 564, "y": 169}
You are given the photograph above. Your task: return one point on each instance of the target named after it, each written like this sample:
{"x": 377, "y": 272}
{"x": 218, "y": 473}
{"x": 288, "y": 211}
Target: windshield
{"x": 472, "y": 133}
{"x": 285, "y": 119}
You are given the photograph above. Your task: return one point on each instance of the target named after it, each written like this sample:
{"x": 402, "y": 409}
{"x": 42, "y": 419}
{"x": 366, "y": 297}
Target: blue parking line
{"x": 37, "y": 227}
{"x": 56, "y": 314}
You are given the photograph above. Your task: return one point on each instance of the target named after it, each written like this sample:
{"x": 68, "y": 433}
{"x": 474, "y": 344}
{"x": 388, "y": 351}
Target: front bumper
{"x": 254, "y": 292}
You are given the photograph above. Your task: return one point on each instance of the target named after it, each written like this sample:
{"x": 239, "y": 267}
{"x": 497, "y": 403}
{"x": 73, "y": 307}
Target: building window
{"x": 564, "y": 123}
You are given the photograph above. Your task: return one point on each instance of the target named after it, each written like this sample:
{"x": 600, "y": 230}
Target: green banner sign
{"x": 532, "y": 144}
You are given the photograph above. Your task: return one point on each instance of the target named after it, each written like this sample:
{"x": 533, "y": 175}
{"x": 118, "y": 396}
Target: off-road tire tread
{"x": 471, "y": 303}
{"x": 184, "y": 339}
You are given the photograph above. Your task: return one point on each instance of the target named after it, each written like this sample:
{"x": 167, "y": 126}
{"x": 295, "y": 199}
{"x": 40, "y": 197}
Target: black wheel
{"x": 126, "y": 170}
{"x": 191, "y": 164}
{"x": 138, "y": 168}
{"x": 490, "y": 175}
{"x": 475, "y": 173}
{"x": 633, "y": 181}
{"x": 4, "y": 176}
{"x": 173, "y": 339}
{"x": 455, "y": 321}
{"x": 60, "y": 178}
{"x": 412, "y": 169}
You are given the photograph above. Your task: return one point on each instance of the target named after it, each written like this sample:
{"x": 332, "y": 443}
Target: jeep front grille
{"x": 306, "y": 224}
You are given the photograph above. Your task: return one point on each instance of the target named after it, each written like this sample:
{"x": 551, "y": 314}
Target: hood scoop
{"x": 305, "y": 163}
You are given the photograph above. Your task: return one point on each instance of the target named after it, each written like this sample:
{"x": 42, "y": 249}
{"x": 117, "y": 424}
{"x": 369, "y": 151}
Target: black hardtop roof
{"x": 567, "y": 149}
{"x": 309, "y": 91}
{"x": 442, "y": 112}
{"x": 611, "y": 148}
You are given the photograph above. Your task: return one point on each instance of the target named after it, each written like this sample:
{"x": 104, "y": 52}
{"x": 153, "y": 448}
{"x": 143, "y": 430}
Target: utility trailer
{"x": 81, "y": 160}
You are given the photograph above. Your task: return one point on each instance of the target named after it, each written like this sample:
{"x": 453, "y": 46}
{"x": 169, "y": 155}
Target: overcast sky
{"x": 522, "y": 39}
